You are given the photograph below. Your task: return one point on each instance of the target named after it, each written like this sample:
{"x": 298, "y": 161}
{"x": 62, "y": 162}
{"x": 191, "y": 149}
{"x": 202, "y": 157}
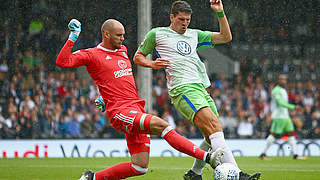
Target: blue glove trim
{"x": 73, "y": 37}
{"x": 100, "y": 104}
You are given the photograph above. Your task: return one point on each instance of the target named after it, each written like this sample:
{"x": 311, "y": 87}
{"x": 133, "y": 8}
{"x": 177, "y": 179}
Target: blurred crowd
{"x": 254, "y": 21}
{"x": 41, "y": 104}
{"x": 244, "y": 106}
{"x": 40, "y": 100}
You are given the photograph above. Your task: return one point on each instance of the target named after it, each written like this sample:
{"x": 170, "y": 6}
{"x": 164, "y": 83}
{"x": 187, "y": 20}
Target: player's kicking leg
{"x": 160, "y": 127}
{"x": 195, "y": 172}
{"x": 246, "y": 176}
{"x": 209, "y": 124}
{"x": 146, "y": 123}
{"x": 139, "y": 149}
{"x": 190, "y": 175}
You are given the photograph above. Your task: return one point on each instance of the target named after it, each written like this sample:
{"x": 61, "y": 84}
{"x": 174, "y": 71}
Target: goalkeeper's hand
{"x": 100, "y": 104}
{"x": 75, "y": 29}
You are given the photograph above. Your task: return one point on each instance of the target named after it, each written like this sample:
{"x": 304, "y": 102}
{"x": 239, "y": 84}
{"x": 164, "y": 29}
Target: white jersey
{"x": 181, "y": 50}
{"x": 279, "y": 103}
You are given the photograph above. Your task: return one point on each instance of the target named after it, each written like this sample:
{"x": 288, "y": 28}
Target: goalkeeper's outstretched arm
{"x": 65, "y": 58}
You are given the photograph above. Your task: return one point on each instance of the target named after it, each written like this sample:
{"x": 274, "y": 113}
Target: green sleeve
{"x": 283, "y": 104}
{"x": 204, "y": 39}
{"x": 149, "y": 42}
{"x": 280, "y": 101}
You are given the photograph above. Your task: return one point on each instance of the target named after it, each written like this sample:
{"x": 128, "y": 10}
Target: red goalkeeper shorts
{"x": 135, "y": 123}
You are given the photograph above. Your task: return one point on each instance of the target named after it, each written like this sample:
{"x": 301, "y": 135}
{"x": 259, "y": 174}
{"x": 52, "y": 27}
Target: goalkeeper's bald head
{"x": 109, "y": 25}
{"x": 112, "y": 34}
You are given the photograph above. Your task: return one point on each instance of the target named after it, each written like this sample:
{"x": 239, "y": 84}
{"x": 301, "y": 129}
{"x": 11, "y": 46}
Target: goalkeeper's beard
{"x": 115, "y": 44}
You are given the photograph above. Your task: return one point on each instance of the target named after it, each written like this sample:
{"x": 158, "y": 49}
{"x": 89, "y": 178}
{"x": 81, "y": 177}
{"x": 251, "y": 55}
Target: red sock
{"x": 182, "y": 144}
{"x": 119, "y": 171}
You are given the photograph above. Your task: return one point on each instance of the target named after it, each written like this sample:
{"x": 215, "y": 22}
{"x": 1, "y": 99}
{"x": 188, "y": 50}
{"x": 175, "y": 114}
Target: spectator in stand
{"x": 74, "y": 126}
{"x": 314, "y": 132}
{"x": 11, "y": 121}
{"x": 25, "y": 128}
{"x": 98, "y": 128}
{"x": 45, "y": 122}
{"x": 12, "y": 108}
{"x": 35, "y": 127}
{"x": 29, "y": 82}
{"x": 229, "y": 124}
{"x": 193, "y": 132}
{"x": 53, "y": 125}
{"x": 28, "y": 59}
{"x": 219, "y": 81}
{"x": 63, "y": 130}
{"x": 306, "y": 119}
{"x": 82, "y": 104}
{"x": 82, "y": 114}
{"x": 87, "y": 126}
{"x": 245, "y": 128}
{"x": 308, "y": 99}
{"x": 167, "y": 117}
{"x": 28, "y": 103}
{"x": 3, "y": 70}
{"x": 63, "y": 89}
{"x": 12, "y": 91}
{"x": 2, "y": 119}
{"x": 6, "y": 132}
{"x": 181, "y": 127}
{"x": 38, "y": 59}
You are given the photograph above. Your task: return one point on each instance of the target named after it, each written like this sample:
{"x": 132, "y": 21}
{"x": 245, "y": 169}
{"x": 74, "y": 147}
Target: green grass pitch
{"x": 165, "y": 168}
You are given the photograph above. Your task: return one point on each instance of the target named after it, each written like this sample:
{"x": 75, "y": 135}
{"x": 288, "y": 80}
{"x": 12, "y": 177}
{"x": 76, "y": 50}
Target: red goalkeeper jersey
{"x": 111, "y": 70}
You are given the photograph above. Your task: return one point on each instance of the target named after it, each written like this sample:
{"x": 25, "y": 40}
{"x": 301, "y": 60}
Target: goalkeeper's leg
{"x": 139, "y": 148}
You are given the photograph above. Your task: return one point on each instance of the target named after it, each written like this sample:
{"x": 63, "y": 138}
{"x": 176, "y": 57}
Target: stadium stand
{"x": 39, "y": 100}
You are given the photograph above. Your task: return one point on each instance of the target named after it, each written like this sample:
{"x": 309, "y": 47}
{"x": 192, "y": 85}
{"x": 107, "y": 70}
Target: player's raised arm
{"x": 65, "y": 58}
{"x": 224, "y": 35}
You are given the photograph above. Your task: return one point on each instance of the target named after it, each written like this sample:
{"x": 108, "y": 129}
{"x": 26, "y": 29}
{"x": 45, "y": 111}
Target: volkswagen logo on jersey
{"x": 122, "y": 64}
{"x": 183, "y": 47}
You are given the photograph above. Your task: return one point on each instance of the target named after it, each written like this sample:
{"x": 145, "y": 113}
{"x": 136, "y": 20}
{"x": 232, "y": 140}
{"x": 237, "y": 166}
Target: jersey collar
{"x": 105, "y": 49}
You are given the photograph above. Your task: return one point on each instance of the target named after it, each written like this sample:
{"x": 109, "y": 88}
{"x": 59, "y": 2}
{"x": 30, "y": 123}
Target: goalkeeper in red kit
{"x": 111, "y": 70}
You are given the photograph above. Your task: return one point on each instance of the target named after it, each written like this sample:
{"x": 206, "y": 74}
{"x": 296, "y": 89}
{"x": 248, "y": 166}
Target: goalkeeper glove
{"x": 100, "y": 104}
{"x": 75, "y": 28}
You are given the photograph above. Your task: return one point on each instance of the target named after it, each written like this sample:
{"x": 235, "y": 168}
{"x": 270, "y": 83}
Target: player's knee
{"x": 140, "y": 169}
{"x": 210, "y": 125}
{"x": 215, "y": 123}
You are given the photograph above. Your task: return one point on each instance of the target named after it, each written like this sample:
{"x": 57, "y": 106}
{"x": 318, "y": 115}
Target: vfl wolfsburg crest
{"x": 184, "y": 48}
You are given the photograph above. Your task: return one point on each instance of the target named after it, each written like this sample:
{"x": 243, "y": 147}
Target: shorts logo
{"x": 184, "y": 48}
